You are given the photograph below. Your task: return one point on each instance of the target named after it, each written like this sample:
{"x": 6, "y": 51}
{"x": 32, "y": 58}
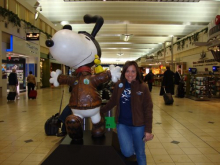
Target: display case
{"x": 214, "y": 86}
{"x": 199, "y": 88}
{"x": 184, "y": 80}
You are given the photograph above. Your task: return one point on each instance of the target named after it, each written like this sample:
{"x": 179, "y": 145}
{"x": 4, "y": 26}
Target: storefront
{"x": 19, "y": 65}
{"x": 23, "y": 56}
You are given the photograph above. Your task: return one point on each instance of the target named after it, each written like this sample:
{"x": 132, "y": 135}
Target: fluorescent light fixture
{"x": 126, "y": 37}
{"x": 120, "y": 54}
{"x": 64, "y": 23}
{"x": 112, "y": 60}
{"x": 36, "y": 15}
{"x": 135, "y": 0}
{"x": 102, "y": 43}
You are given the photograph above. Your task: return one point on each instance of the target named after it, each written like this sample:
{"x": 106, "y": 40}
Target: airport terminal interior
{"x": 186, "y": 133}
{"x": 181, "y": 34}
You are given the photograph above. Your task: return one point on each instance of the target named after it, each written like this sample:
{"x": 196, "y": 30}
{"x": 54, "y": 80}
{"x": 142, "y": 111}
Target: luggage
{"x": 32, "y": 94}
{"x": 168, "y": 98}
{"x": 11, "y": 96}
{"x": 51, "y": 126}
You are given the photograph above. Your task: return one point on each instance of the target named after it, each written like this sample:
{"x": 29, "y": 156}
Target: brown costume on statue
{"x": 84, "y": 96}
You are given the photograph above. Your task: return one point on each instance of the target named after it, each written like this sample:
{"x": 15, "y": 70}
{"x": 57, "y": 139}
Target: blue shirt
{"x": 125, "y": 116}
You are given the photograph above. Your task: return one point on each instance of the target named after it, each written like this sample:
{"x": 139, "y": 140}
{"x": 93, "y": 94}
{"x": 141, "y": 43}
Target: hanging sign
{"x": 32, "y": 36}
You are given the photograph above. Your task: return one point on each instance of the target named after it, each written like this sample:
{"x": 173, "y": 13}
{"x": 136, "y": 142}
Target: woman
{"x": 13, "y": 82}
{"x": 31, "y": 82}
{"x": 133, "y": 112}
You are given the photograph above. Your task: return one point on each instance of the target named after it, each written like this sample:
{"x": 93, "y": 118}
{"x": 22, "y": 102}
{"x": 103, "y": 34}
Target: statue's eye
{"x": 88, "y": 38}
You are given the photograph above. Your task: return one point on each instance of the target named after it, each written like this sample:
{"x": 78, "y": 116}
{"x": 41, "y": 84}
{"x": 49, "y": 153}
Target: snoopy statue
{"x": 78, "y": 50}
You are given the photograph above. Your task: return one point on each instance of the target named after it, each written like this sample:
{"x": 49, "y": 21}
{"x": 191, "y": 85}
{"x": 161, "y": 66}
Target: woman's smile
{"x": 131, "y": 73}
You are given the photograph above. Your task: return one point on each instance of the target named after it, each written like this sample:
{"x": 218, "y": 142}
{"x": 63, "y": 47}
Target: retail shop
{"x": 21, "y": 55}
{"x": 202, "y": 80}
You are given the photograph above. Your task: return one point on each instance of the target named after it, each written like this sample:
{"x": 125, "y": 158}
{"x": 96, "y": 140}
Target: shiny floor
{"x": 186, "y": 133}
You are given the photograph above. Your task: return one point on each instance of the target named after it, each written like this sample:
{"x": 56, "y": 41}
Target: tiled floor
{"x": 186, "y": 133}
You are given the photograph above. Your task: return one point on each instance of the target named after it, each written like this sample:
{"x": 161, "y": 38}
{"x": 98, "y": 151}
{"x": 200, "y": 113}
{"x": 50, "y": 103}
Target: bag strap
{"x": 61, "y": 103}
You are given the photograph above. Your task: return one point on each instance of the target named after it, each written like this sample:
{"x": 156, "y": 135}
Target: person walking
{"x": 134, "y": 110}
{"x": 167, "y": 82}
{"x": 149, "y": 78}
{"x": 31, "y": 82}
{"x": 13, "y": 82}
{"x": 177, "y": 78}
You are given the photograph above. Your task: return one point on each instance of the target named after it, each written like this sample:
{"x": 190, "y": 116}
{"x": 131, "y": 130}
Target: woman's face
{"x": 131, "y": 73}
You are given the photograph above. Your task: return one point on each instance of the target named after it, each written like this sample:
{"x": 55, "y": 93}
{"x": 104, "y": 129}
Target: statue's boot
{"x": 74, "y": 127}
{"x": 98, "y": 129}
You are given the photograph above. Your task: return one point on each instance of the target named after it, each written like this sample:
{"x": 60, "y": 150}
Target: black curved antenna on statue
{"x": 69, "y": 27}
{"x": 94, "y": 19}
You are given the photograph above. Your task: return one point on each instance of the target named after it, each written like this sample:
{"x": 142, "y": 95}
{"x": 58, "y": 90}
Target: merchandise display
{"x": 199, "y": 87}
{"x": 203, "y": 87}
{"x": 214, "y": 86}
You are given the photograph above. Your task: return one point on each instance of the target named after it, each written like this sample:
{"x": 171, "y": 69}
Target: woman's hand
{"x": 148, "y": 136}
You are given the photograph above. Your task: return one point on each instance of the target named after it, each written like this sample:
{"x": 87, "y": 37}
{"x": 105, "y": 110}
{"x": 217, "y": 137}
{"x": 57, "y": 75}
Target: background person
{"x": 133, "y": 112}
{"x": 177, "y": 78}
{"x": 31, "y": 82}
{"x": 149, "y": 78}
{"x": 13, "y": 82}
{"x": 167, "y": 82}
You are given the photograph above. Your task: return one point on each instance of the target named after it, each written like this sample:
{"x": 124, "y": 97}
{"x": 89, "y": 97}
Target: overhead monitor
{"x": 193, "y": 70}
{"x": 216, "y": 68}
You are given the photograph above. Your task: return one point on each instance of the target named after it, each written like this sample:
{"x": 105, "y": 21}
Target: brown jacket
{"x": 31, "y": 79}
{"x": 84, "y": 94}
{"x": 141, "y": 104}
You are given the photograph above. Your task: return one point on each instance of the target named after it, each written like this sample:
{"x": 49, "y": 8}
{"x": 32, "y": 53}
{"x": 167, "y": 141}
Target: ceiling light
{"x": 136, "y": 1}
{"x": 36, "y": 15}
{"x": 64, "y": 23}
{"x": 120, "y": 54}
{"x": 125, "y": 37}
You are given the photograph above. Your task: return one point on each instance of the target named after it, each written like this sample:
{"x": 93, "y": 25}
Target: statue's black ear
{"x": 67, "y": 27}
{"x": 98, "y": 20}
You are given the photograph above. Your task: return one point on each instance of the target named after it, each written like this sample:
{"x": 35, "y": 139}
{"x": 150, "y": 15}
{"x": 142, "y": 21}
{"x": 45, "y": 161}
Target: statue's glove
{"x": 115, "y": 73}
{"x": 54, "y": 76}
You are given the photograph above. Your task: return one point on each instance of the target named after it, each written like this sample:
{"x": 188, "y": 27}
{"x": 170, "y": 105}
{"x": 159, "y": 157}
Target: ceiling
{"x": 151, "y": 23}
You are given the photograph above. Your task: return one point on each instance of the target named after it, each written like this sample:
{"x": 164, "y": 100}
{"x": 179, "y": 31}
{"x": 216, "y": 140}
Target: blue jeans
{"x": 66, "y": 112}
{"x": 130, "y": 140}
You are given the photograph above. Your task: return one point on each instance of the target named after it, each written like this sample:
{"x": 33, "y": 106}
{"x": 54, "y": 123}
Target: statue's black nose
{"x": 49, "y": 43}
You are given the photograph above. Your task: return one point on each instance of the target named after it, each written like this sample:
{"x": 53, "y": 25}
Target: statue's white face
{"x": 72, "y": 49}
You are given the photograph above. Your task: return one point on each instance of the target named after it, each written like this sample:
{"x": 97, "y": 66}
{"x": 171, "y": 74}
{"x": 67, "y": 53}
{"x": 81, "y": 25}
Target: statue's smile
{"x": 83, "y": 60}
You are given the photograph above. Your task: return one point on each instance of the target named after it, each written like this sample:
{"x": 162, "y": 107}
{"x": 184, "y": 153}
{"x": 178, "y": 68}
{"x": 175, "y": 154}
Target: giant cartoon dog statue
{"x": 78, "y": 50}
